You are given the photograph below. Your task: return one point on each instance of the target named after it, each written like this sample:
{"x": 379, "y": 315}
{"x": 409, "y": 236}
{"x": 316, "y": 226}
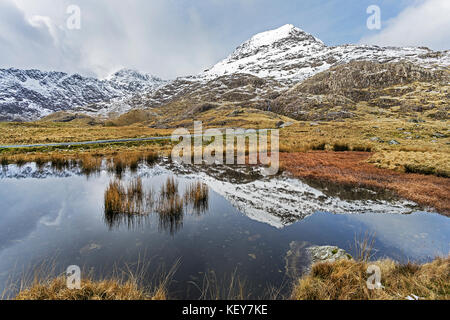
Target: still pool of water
{"x": 247, "y": 228}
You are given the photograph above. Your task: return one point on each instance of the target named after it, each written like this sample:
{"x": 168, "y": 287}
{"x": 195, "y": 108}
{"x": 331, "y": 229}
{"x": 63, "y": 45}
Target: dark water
{"x": 45, "y": 218}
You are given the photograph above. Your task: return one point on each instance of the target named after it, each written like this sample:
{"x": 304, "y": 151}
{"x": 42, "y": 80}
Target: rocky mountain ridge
{"x": 269, "y": 65}
{"x": 31, "y": 94}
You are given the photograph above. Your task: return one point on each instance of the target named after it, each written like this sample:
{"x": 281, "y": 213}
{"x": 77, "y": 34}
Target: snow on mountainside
{"x": 32, "y": 94}
{"x": 290, "y": 54}
{"x": 287, "y": 55}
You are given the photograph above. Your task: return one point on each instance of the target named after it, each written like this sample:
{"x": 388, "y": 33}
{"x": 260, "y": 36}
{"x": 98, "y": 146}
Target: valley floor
{"x": 409, "y": 158}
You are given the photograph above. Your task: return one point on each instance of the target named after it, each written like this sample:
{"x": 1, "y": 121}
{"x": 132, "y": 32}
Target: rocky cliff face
{"x": 382, "y": 85}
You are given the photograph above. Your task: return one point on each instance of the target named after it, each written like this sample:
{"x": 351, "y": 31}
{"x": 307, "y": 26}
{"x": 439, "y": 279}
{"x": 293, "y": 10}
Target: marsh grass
{"x": 197, "y": 193}
{"x": 170, "y": 188}
{"x": 364, "y": 246}
{"x": 135, "y": 189}
{"x": 346, "y": 280}
{"x": 229, "y": 287}
{"x": 131, "y": 282}
{"x": 171, "y": 206}
{"x": 421, "y": 162}
{"x": 361, "y": 148}
{"x": 130, "y": 203}
{"x": 122, "y": 161}
{"x": 4, "y": 161}
{"x": 127, "y": 200}
{"x": 20, "y": 161}
{"x": 171, "y": 213}
{"x": 151, "y": 157}
{"x": 90, "y": 164}
{"x": 60, "y": 163}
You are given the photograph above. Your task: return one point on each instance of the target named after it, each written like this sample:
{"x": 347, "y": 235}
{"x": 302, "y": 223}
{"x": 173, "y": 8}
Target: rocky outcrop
{"x": 379, "y": 84}
{"x": 301, "y": 256}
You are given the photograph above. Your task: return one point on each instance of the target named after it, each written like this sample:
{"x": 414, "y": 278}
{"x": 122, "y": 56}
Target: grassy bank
{"x": 339, "y": 280}
{"x": 346, "y": 280}
{"x": 56, "y": 289}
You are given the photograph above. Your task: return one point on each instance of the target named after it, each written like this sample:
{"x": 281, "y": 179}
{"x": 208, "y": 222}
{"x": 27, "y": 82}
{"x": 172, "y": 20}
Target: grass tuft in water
{"x": 169, "y": 188}
{"x": 197, "y": 193}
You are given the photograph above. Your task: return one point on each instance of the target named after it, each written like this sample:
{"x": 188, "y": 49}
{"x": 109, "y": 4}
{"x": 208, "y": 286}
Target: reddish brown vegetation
{"x": 351, "y": 168}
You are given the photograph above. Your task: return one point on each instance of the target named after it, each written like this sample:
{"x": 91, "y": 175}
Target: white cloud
{"x": 155, "y": 36}
{"x": 425, "y": 24}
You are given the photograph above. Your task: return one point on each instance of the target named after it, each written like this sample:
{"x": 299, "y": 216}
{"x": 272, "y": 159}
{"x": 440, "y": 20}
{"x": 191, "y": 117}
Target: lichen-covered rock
{"x": 302, "y": 255}
{"x": 327, "y": 254}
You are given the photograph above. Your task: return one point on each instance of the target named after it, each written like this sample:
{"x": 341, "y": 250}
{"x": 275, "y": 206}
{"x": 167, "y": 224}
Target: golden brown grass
{"x": 169, "y": 188}
{"x": 124, "y": 200}
{"x": 119, "y": 162}
{"x": 56, "y": 289}
{"x": 50, "y": 132}
{"x": 346, "y": 280}
{"x": 89, "y": 162}
{"x": 357, "y": 133}
{"x": 171, "y": 206}
{"x": 197, "y": 193}
{"x": 42, "y": 282}
{"x": 351, "y": 168}
{"x": 436, "y": 163}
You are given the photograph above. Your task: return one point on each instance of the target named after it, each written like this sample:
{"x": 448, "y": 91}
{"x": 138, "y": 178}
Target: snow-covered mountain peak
{"x": 289, "y": 54}
{"x": 271, "y": 37}
{"x": 130, "y": 75}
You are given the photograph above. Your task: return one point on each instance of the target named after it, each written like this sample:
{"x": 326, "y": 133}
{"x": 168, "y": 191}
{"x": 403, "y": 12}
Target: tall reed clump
{"x": 90, "y": 164}
{"x": 169, "y": 188}
{"x": 131, "y": 160}
{"x": 197, "y": 193}
{"x": 124, "y": 200}
{"x": 117, "y": 165}
{"x": 4, "y": 161}
{"x": 114, "y": 198}
{"x": 170, "y": 206}
{"x": 151, "y": 157}
{"x": 60, "y": 162}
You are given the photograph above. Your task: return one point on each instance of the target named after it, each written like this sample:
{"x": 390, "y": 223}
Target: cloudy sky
{"x": 171, "y": 38}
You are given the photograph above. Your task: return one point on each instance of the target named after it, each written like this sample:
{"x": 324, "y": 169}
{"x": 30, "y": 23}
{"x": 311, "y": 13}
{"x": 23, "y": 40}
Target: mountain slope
{"x": 285, "y": 56}
{"x": 339, "y": 92}
{"x": 32, "y": 94}
{"x": 289, "y": 54}
{"x": 256, "y": 73}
